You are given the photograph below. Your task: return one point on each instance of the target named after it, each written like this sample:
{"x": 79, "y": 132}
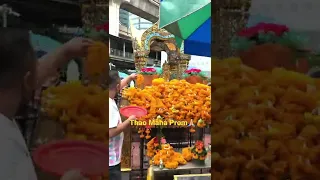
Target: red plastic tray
{"x": 133, "y": 110}
{"x": 90, "y": 158}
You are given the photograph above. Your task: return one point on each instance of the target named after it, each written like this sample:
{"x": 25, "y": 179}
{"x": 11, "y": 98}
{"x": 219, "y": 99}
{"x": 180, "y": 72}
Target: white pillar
{"x": 114, "y": 10}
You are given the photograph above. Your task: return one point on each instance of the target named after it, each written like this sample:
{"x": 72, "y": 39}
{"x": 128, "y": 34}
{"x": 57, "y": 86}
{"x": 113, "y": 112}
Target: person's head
{"x": 114, "y": 83}
{"x": 17, "y": 67}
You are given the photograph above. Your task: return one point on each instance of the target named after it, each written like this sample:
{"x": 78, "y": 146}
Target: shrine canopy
{"x": 300, "y": 16}
{"x": 190, "y": 22}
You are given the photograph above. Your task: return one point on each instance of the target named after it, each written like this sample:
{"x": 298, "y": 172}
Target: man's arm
{"x": 119, "y": 128}
{"x": 127, "y": 80}
{"x": 51, "y": 62}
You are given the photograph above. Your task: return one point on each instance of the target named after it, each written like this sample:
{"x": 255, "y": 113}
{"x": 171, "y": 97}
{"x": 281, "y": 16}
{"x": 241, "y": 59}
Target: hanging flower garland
{"x": 146, "y": 130}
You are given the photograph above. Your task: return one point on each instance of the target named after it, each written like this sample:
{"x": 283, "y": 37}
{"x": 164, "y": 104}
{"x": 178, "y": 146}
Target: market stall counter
{"x": 191, "y": 168}
{"x": 188, "y": 166}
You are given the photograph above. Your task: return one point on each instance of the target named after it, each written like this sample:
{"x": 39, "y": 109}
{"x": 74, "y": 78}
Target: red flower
{"x": 148, "y": 70}
{"x": 271, "y": 27}
{"x": 155, "y": 140}
{"x": 263, "y": 27}
{"x": 199, "y": 145}
{"x": 249, "y": 32}
{"x": 103, "y": 27}
{"x": 193, "y": 70}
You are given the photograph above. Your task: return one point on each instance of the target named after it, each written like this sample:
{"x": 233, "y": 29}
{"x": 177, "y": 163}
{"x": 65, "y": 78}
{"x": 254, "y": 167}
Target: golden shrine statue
{"x": 158, "y": 40}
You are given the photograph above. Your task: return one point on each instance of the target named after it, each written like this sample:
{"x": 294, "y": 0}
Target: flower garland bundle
{"x": 168, "y": 157}
{"x": 153, "y": 146}
{"x": 198, "y": 151}
{"x": 264, "y": 33}
{"x": 187, "y": 154}
{"x": 97, "y": 58}
{"x": 139, "y": 80}
{"x": 148, "y": 71}
{"x": 146, "y": 130}
{"x": 194, "y": 72}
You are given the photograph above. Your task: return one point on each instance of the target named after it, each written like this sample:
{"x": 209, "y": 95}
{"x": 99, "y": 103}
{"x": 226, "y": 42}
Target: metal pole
{"x": 5, "y": 10}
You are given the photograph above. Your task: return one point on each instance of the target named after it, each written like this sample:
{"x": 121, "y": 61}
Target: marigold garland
{"x": 81, "y": 109}
{"x": 152, "y": 147}
{"x": 266, "y": 124}
{"x": 97, "y": 59}
{"x": 198, "y": 151}
{"x": 139, "y": 80}
{"x": 176, "y": 100}
{"x": 169, "y": 157}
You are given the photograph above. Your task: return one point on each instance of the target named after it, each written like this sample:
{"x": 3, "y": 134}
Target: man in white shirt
{"x": 20, "y": 75}
{"x": 116, "y": 126}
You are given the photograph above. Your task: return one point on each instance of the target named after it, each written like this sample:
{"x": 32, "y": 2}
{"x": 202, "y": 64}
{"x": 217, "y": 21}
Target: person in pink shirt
{"x": 116, "y": 126}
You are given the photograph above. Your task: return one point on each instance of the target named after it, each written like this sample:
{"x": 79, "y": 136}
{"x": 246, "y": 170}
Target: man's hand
{"x": 77, "y": 47}
{"x": 127, "y": 80}
{"x": 133, "y": 117}
{"x": 49, "y": 63}
{"x": 133, "y": 76}
{"x": 73, "y": 175}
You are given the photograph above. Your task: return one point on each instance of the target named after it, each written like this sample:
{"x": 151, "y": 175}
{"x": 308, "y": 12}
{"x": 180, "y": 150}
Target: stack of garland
{"x": 198, "y": 151}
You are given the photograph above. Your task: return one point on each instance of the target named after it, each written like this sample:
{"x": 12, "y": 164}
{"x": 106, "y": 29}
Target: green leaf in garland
{"x": 292, "y": 40}
{"x": 202, "y": 74}
{"x": 96, "y": 35}
{"x": 242, "y": 43}
{"x": 269, "y": 37}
